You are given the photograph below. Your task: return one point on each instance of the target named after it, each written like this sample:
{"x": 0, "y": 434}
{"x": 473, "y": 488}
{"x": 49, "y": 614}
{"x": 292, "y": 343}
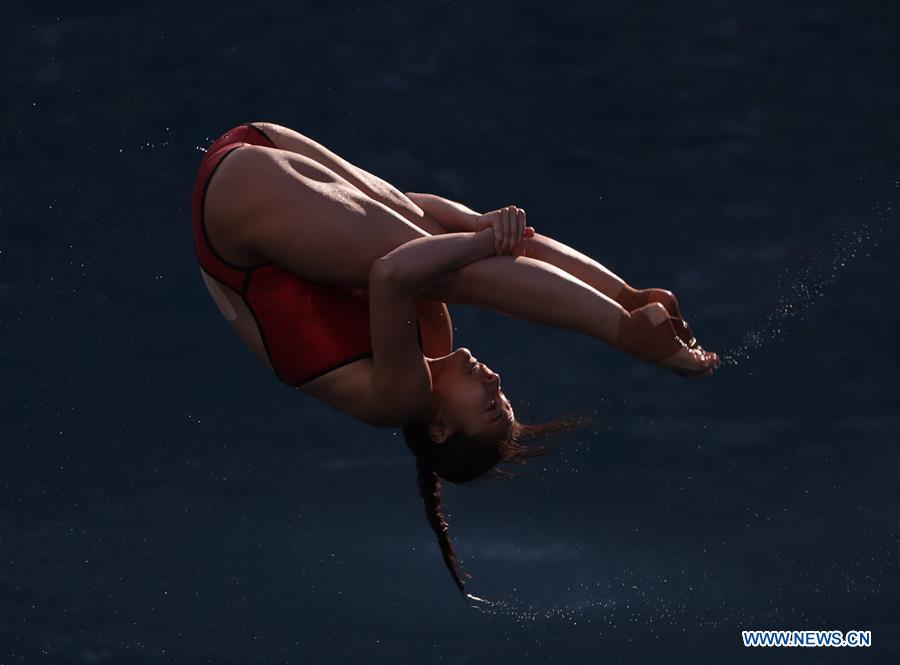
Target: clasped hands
{"x": 509, "y": 227}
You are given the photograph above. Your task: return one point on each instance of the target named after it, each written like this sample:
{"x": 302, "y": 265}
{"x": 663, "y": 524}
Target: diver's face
{"x": 466, "y": 396}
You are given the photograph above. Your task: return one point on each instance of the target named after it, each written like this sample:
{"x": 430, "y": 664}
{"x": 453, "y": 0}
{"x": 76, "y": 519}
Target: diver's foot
{"x": 684, "y": 332}
{"x": 632, "y": 299}
{"x": 692, "y": 362}
{"x": 664, "y": 297}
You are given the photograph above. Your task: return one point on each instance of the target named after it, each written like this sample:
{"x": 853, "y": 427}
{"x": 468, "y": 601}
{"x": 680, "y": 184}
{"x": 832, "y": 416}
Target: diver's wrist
{"x": 483, "y": 242}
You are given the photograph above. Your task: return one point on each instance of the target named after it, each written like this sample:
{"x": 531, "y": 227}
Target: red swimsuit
{"x": 307, "y": 328}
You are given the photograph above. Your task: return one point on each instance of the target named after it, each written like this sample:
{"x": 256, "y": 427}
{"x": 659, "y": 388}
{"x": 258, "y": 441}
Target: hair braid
{"x": 462, "y": 458}
{"x": 430, "y": 489}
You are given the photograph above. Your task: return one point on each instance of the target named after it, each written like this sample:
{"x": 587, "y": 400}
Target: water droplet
{"x": 799, "y": 288}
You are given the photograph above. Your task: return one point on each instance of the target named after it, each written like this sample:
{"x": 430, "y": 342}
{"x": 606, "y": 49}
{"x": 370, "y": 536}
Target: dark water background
{"x": 166, "y": 499}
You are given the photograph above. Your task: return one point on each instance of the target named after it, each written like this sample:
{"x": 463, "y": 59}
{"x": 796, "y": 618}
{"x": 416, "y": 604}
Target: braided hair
{"x": 462, "y": 458}
{"x": 430, "y": 489}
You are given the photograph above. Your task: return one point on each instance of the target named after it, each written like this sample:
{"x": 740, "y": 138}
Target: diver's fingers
{"x": 498, "y": 232}
{"x": 510, "y": 229}
{"x": 520, "y": 226}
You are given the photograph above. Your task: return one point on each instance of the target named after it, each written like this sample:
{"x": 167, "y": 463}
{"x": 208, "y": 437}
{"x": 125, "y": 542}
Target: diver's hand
{"x": 509, "y": 227}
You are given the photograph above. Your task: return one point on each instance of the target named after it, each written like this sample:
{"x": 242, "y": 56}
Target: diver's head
{"x": 469, "y": 429}
{"x": 466, "y": 399}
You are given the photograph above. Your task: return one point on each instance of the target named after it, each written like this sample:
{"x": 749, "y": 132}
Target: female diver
{"x": 338, "y": 282}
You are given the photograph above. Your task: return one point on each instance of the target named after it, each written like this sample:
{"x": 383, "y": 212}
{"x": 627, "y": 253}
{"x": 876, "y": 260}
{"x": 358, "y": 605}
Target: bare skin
{"x": 348, "y": 213}
{"x": 469, "y": 395}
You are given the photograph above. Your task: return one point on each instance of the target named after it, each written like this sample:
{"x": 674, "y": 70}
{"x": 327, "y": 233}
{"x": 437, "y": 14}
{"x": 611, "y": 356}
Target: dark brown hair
{"x": 463, "y": 458}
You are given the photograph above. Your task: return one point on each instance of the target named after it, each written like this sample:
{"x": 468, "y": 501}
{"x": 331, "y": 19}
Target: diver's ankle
{"x": 631, "y": 298}
{"x": 643, "y": 334}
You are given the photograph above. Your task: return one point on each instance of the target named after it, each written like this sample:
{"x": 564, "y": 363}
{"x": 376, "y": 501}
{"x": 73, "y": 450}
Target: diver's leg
{"x": 285, "y": 208}
{"x": 591, "y": 272}
{"x": 536, "y": 291}
{"x": 533, "y": 290}
{"x": 369, "y": 184}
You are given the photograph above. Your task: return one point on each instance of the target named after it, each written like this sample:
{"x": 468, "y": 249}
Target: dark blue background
{"x": 166, "y": 499}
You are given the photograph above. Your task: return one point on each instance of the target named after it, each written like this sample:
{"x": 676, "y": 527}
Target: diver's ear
{"x": 439, "y": 430}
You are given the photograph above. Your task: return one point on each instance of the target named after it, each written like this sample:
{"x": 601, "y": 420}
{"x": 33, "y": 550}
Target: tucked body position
{"x": 339, "y": 283}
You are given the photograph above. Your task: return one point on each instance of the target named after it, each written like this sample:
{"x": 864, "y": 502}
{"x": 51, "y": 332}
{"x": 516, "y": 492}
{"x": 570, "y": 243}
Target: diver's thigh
{"x": 292, "y": 140}
{"x": 368, "y": 183}
{"x": 302, "y": 216}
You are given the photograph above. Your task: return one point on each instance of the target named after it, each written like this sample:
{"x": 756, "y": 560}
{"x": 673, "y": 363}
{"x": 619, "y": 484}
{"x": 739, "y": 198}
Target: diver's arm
{"x": 452, "y": 215}
{"x": 415, "y": 264}
{"x": 533, "y": 290}
{"x": 455, "y": 216}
